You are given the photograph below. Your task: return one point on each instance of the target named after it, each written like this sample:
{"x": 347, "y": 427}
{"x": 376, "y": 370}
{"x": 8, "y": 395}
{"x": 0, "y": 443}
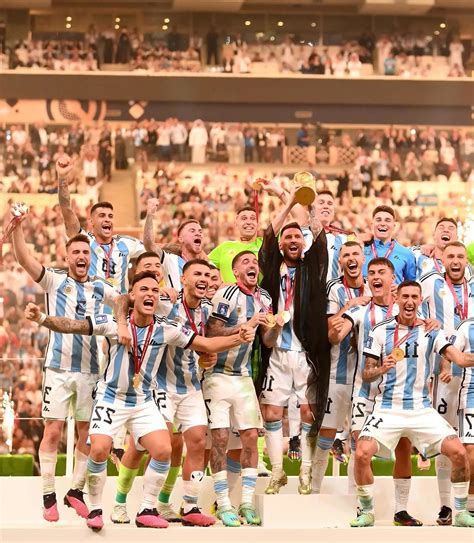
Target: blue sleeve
{"x": 410, "y": 267}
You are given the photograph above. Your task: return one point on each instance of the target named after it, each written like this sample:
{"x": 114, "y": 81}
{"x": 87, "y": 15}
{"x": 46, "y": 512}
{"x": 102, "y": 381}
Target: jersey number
{"x": 469, "y": 417}
{"x": 208, "y": 410}
{"x": 160, "y": 400}
{"x": 414, "y": 352}
{"x": 374, "y": 422}
{"x": 357, "y": 411}
{"x": 328, "y": 407}
{"x": 46, "y": 392}
{"x": 443, "y": 407}
{"x": 267, "y": 383}
{"x": 98, "y": 414}
{"x": 111, "y": 270}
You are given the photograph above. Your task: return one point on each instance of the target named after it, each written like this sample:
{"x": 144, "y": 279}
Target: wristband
{"x": 42, "y": 318}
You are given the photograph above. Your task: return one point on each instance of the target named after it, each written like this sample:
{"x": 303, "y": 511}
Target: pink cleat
{"x": 194, "y": 517}
{"x": 149, "y": 518}
{"x": 75, "y": 499}
{"x": 50, "y": 507}
{"x": 95, "y": 521}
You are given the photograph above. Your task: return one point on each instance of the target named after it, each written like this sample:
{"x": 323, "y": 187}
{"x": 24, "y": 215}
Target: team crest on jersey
{"x": 222, "y": 309}
{"x": 369, "y": 342}
{"x": 442, "y": 292}
{"x": 67, "y": 289}
{"x": 425, "y": 264}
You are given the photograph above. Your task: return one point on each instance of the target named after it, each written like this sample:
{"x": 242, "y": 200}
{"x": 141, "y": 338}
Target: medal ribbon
{"x": 396, "y": 341}
{"x": 137, "y": 360}
{"x": 461, "y": 310}
{"x": 257, "y": 296}
{"x": 289, "y": 291}
{"x": 190, "y": 318}
{"x": 372, "y": 311}
{"x": 437, "y": 266}
{"x": 387, "y": 254}
{"x": 335, "y": 230}
{"x": 349, "y": 289}
{"x": 108, "y": 255}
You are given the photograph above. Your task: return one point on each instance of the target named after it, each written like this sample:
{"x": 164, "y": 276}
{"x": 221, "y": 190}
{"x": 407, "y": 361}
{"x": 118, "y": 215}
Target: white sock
{"x": 191, "y": 490}
{"x": 221, "y": 488}
{"x": 460, "y": 491}
{"x": 443, "y": 474}
{"x": 366, "y": 497}
{"x": 402, "y": 491}
{"x": 153, "y": 480}
{"x": 320, "y": 461}
{"x": 80, "y": 470}
{"x": 274, "y": 441}
{"x": 306, "y": 448}
{"x": 249, "y": 481}
{"x": 96, "y": 477}
{"x": 47, "y": 462}
{"x": 233, "y": 473}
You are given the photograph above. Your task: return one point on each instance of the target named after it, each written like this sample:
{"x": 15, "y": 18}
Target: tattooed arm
{"x": 373, "y": 370}
{"x": 58, "y": 324}
{"x": 121, "y": 307}
{"x": 314, "y": 223}
{"x": 149, "y": 229}
{"x": 63, "y": 169}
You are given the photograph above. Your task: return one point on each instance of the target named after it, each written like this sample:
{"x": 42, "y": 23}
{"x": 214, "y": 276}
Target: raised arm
{"x": 64, "y": 167}
{"x": 121, "y": 307}
{"x": 26, "y": 260}
{"x": 314, "y": 223}
{"x": 279, "y": 220}
{"x": 57, "y": 324}
{"x": 149, "y": 230}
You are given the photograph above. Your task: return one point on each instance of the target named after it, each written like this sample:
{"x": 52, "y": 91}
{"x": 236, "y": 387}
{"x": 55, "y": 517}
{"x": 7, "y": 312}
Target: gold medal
{"x": 398, "y": 354}
{"x": 286, "y": 316}
{"x": 136, "y": 380}
{"x": 271, "y": 320}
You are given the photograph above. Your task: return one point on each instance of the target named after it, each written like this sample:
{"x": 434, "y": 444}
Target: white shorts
{"x": 142, "y": 419}
{"x": 425, "y": 428}
{"x": 446, "y": 399}
{"x": 287, "y": 372}
{"x": 231, "y": 401}
{"x": 466, "y": 425}
{"x": 62, "y": 389}
{"x": 338, "y": 406}
{"x": 361, "y": 407}
{"x": 183, "y": 410}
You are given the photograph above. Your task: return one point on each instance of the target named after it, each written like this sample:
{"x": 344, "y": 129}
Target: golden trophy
{"x": 305, "y": 188}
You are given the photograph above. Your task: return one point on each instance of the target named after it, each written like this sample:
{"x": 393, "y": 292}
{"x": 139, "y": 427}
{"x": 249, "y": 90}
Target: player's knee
{"x": 249, "y": 437}
{"x": 458, "y": 456}
{"x": 363, "y": 454}
{"x": 196, "y": 445}
{"x": 99, "y": 452}
{"x": 52, "y": 434}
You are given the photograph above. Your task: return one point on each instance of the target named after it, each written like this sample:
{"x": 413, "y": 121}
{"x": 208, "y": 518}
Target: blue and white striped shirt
{"x": 463, "y": 339}
{"x": 65, "y": 297}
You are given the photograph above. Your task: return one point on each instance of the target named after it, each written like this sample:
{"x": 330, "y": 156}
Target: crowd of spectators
{"x": 395, "y": 54}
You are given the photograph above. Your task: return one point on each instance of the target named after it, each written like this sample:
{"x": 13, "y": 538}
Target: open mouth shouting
{"x": 197, "y": 242}
{"x": 81, "y": 265}
{"x": 376, "y": 286}
{"x": 446, "y": 238}
{"x": 294, "y": 250}
{"x": 410, "y": 309}
{"x": 251, "y": 276}
{"x": 352, "y": 267}
{"x": 149, "y": 304}
{"x": 201, "y": 288}
{"x": 381, "y": 230}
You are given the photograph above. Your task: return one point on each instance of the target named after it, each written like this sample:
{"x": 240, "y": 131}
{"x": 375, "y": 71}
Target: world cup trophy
{"x": 305, "y": 185}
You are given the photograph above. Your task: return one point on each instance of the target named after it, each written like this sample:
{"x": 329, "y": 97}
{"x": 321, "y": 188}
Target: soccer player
{"x": 228, "y": 388}
{"x": 179, "y": 395}
{"x": 463, "y": 339}
{"x": 384, "y": 245}
{"x": 449, "y": 298}
{"x": 349, "y": 290}
{"x": 110, "y": 254}
{"x": 298, "y": 290}
{"x": 71, "y": 365}
{"x": 222, "y": 256}
{"x": 124, "y": 393}
{"x": 398, "y": 358}
{"x": 361, "y": 319}
{"x": 190, "y": 245}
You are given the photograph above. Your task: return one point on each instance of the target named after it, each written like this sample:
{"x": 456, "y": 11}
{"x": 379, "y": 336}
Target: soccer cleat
{"x": 276, "y": 482}
{"x": 402, "y": 518}
{"x": 214, "y": 509}
{"x": 228, "y": 516}
{"x": 263, "y": 471}
{"x": 195, "y": 517}
{"x": 50, "y": 507}
{"x": 95, "y": 521}
{"x": 248, "y": 513}
{"x": 364, "y": 520}
{"x": 119, "y": 514}
{"x": 337, "y": 451}
{"x": 464, "y": 519}
{"x": 116, "y": 457}
{"x": 305, "y": 486}
{"x": 149, "y": 518}
{"x": 445, "y": 516}
{"x": 294, "y": 448}
{"x": 75, "y": 499}
{"x": 167, "y": 512}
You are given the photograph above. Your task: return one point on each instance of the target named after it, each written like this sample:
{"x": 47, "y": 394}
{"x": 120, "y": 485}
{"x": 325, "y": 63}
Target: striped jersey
{"x": 406, "y": 386}
{"x": 179, "y": 372}
{"x": 287, "y": 339}
{"x": 463, "y": 339}
{"x": 234, "y": 307}
{"x": 116, "y": 385}
{"x": 334, "y": 244}
{"x": 110, "y": 261}
{"x": 364, "y": 318}
{"x": 439, "y": 304}
{"x": 427, "y": 264}
{"x": 66, "y": 297}
{"x": 343, "y": 355}
{"x": 172, "y": 269}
